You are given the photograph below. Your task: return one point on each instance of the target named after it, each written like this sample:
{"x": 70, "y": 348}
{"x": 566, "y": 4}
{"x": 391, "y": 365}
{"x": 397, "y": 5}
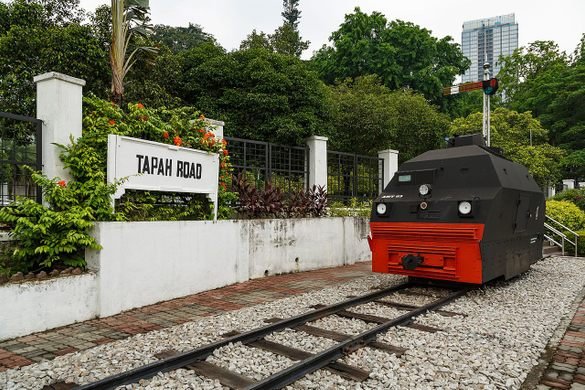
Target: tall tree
{"x": 129, "y": 24}
{"x": 260, "y": 94}
{"x": 181, "y": 38}
{"x": 523, "y": 140}
{"x": 287, "y": 38}
{"x": 291, "y": 12}
{"x": 32, "y": 41}
{"x": 402, "y": 54}
{"x": 368, "y": 117}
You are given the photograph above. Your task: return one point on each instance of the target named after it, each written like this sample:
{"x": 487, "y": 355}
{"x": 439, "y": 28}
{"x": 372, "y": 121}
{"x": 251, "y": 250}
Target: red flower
{"x": 222, "y": 165}
{"x": 223, "y": 141}
{"x": 140, "y": 106}
{"x": 177, "y": 141}
{"x": 111, "y": 122}
{"x": 62, "y": 183}
{"x": 201, "y": 131}
{"x": 223, "y": 186}
{"x": 207, "y": 135}
{"x": 166, "y": 135}
{"x": 225, "y": 152}
{"x": 211, "y": 142}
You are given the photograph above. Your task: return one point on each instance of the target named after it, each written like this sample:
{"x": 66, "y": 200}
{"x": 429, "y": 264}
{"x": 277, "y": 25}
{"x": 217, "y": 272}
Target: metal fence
{"x": 20, "y": 145}
{"x": 286, "y": 167}
{"x": 354, "y": 176}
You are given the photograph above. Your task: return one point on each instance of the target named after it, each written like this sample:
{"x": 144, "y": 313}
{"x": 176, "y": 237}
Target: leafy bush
{"x": 576, "y": 196}
{"x": 58, "y": 234}
{"x": 566, "y": 213}
{"x": 184, "y": 127}
{"x": 355, "y": 208}
{"x": 271, "y": 202}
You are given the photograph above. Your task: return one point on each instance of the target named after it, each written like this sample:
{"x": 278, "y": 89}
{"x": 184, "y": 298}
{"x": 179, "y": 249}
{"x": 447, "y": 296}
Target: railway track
{"x": 306, "y": 362}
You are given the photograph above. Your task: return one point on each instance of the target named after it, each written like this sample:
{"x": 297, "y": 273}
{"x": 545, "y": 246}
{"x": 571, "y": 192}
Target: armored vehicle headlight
{"x": 464, "y": 207}
{"x": 424, "y": 189}
{"x": 381, "y": 208}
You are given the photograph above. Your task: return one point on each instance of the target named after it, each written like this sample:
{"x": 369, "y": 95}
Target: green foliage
{"x": 566, "y": 213}
{"x": 355, "y": 208}
{"x": 36, "y": 37}
{"x": 182, "y": 126}
{"x": 575, "y": 196}
{"x": 574, "y": 164}
{"x": 181, "y": 38}
{"x": 260, "y": 94}
{"x": 512, "y": 131}
{"x": 402, "y": 54}
{"x": 546, "y": 81}
{"x": 368, "y": 117}
{"x": 58, "y": 234}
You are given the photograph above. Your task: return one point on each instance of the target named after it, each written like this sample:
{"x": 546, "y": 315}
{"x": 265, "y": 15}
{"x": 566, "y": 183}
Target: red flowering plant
{"x": 182, "y": 127}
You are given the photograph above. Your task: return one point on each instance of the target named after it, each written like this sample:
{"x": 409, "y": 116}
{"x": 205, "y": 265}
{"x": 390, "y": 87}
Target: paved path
{"x": 565, "y": 371}
{"x": 47, "y": 345}
{"x": 567, "y": 368}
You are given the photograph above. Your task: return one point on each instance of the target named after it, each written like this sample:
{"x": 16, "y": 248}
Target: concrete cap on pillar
{"x": 388, "y": 151}
{"x": 59, "y": 76}
{"x": 316, "y": 138}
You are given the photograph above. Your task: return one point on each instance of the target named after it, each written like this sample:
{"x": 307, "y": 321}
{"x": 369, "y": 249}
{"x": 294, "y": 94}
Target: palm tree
{"x": 129, "y": 18}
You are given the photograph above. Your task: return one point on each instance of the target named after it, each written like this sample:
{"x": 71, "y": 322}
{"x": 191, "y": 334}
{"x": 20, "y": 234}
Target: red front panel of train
{"x": 450, "y": 251}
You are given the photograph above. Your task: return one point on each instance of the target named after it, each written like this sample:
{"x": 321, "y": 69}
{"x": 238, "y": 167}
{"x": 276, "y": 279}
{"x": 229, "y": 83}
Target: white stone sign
{"x": 153, "y": 166}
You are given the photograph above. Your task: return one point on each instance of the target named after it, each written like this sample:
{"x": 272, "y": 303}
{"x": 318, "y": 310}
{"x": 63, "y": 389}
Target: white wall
{"x": 143, "y": 263}
{"x": 147, "y": 262}
{"x": 40, "y": 305}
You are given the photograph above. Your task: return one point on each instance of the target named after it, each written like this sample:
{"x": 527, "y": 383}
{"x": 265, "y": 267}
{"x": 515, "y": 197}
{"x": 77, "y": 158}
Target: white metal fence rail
{"x": 558, "y": 234}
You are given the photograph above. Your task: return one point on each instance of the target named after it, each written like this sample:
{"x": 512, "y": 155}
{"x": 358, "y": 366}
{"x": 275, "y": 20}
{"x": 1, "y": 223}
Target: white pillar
{"x": 317, "y": 160}
{"x": 216, "y": 127}
{"x": 59, "y": 99}
{"x": 390, "y": 158}
{"x": 568, "y": 184}
{"x": 550, "y": 191}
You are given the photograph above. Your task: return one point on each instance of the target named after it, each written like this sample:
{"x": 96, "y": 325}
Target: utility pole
{"x": 486, "y": 107}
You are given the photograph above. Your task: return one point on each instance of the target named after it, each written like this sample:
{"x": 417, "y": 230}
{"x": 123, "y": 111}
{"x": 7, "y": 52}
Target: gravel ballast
{"x": 496, "y": 341}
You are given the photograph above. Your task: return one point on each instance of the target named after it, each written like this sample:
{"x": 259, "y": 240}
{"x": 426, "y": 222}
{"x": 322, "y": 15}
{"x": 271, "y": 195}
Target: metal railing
{"x": 20, "y": 145}
{"x": 352, "y": 175}
{"x": 286, "y": 167}
{"x": 556, "y": 231}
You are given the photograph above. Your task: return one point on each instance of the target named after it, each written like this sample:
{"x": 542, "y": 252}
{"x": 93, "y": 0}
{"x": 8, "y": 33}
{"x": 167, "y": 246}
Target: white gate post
{"x": 59, "y": 99}
{"x": 568, "y": 184}
{"x": 317, "y": 161}
{"x": 390, "y": 158}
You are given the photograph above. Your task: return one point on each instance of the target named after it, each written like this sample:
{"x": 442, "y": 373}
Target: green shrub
{"x": 58, "y": 234}
{"x": 576, "y": 196}
{"x": 566, "y": 213}
{"x": 353, "y": 208}
{"x": 581, "y": 243}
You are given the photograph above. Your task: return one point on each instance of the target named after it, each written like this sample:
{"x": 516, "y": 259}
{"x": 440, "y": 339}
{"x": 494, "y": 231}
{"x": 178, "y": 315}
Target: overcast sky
{"x": 231, "y": 20}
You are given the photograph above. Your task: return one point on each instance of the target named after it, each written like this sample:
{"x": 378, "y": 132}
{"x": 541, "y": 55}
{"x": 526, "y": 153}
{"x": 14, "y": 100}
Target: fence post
{"x": 390, "y": 158}
{"x": 317, "y": 161}
{"x": 59, "y": 99}
{"x": 568, "y": 184}
{"x": 216, "y": 127}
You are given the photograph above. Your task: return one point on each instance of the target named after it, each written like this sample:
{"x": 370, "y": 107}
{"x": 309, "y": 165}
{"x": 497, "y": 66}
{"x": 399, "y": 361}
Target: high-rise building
{"x": 488, "y": 40}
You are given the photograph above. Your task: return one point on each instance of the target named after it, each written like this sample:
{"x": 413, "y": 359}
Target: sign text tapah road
{"x": 152, "y": 166}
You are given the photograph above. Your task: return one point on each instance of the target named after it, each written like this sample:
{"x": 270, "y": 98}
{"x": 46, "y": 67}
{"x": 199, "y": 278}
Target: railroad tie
{"x": 206, "y": 369}
{"x": 337, "y": 336}
{"x": 341, "y": 369}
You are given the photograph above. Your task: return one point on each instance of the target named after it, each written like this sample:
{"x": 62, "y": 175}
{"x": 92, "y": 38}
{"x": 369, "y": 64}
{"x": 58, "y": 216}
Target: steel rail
{"x": 201, "y": 353}
{"x": 320, "y": 360}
